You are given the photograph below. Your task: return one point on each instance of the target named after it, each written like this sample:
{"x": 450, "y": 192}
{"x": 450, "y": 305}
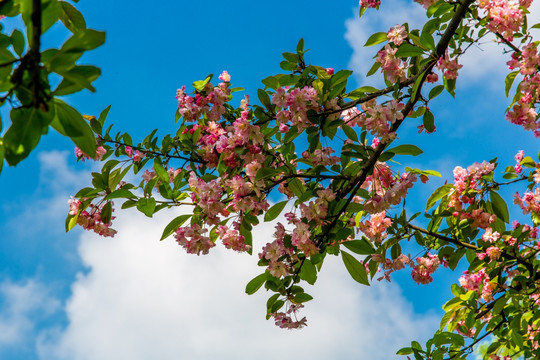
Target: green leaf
{"x": 423, "y": 172}
{"x": 429, "y": 121}
{"x": 256, "y": 283}
{"x": 508, "y": 81}
{"x": 406, "y": 150}
{"x": 68, "y": 122}
{"x": 293, "y": 58}
{"x": 427, "y": 40}
{"x": 499, "y": 207}
{"x": 361, "y": 247}
{"x": 17, "y": 40}
{"x": 120, "y": 193}
{"x": 103, "y": 115}
{"x": 308, "y": 272}
{"x": 161, "y": 172}
{"x": 271, "y": 82}
{"x": 376, "y": 38}
{"x": 438, "y": 194}
{"x": 408, "y": 50}
{"x": 28, "y": 124}
{"x": 72, "y": 18}
{"x": 302, "y": 298}
{"x": 435, "y": 91}
{"x": 146, "y": 206}
{"x": 296, "y": 186}
{"x": 275, "y": 210}
{"x": 355, "y": 268}
{"x": 300, "y": 46}
{"x": 374, "y": 68}
{"x": 174, "y": 224}
{"x": 76, "y": 79}
{"x": 85, "y": 40}
{"x": 356, "y": 94}
{"x": 405, "y": 351}
{"x": 106, "y": 212}
{"x": 349, "y": 131}
{"x": 264, "y": 98}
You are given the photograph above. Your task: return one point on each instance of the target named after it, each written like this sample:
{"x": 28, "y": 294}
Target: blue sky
{"x": 77, "y": 296}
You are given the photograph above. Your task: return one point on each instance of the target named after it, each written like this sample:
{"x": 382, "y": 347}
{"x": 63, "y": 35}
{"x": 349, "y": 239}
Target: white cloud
{"x": 23, "y": 305}
{"x": 144, "y": 299}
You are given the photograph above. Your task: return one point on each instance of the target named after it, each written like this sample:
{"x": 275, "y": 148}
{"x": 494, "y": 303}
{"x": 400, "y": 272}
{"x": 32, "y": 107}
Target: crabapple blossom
{"x": 397, "y": 34}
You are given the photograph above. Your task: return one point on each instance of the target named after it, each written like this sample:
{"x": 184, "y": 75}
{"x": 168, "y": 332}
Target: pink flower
{"x": 225, "y": 76}
{"x": 330, "y": 71}
{"x": 370, "y": 3}
{"x": 397, "y": 34}
{"x": 73, "y": 206}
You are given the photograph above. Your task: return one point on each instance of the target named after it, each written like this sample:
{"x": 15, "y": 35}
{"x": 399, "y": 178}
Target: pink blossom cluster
{"x": 505, "y": 16}
{"x": 246, "y": 195}
{"x": 389, "y": 266}
{"x": 466, "y": 186}
{"x": 285, "y": 319}
{"x": 219, "y": 141}
{"x": 294, "y": 105}
{"x": 277, "y": 254}
{"x": 100, "y": 152}
{"x": 321, "y": 156}
{"x": 377, "y": 119}
{"x": 192, "y": 239}
{"x": 301, "y": 236}
{"x": 449, "y": 67}
{"x": 209, "y": 102}
{"x": 394, "y": 68}
{"x": 375, "y": 227}
{"x": 425, "y": 266}
{"x": 523, "y": 113}
{"x": 397, "y": 34}
{"x": 473, "y": 281}
{"x": 207, "y": 196}
{"x": 91, "y": 220}
{"x": 493, "y": 252}
{"x": 231, "y": 237}
{"x": 389, "y": 193}
{"x": 529, "y": 202}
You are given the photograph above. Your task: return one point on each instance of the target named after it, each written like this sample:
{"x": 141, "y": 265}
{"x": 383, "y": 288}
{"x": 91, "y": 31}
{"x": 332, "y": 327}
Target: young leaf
{"x": 508, "y": 81}
{"x": 438, "y": 194}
